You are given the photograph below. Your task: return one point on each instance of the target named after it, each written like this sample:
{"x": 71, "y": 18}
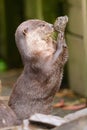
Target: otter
{"x": 44, "y": 59}
{"x": 7, "y": 116}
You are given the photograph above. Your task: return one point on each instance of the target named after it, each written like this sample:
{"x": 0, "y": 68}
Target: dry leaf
{"x": 75, "y": 107}
{"x": 59, "y": 104}
{"x": 65, "y": 92}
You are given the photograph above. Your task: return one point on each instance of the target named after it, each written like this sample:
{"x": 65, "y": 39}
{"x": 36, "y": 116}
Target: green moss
{"x": 3, "y": 65}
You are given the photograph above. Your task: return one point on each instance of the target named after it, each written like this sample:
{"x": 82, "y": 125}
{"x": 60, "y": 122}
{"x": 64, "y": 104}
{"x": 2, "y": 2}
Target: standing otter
{"x": 43, "y": 60}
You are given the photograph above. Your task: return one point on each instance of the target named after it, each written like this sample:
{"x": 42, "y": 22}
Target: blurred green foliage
{"x": 3, "y": 65}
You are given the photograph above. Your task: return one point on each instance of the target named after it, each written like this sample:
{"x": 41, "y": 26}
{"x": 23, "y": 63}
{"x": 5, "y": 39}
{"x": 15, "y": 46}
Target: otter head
{"x": 60, "y": 23}
{"x": 33, "y": 36}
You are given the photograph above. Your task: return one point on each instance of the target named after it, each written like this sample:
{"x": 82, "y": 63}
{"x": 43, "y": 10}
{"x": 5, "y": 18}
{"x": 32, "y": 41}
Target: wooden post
{"x": 77, "y": 42}
{"x": 84, "y": 11}
{"x": 39, "y": 9}
{"x": 33, "y": 9}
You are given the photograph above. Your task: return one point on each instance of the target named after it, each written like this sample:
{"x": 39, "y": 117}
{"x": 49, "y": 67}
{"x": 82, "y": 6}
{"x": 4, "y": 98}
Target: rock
{"x": 50, "y": 120}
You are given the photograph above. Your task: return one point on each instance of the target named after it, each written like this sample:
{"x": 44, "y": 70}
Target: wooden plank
{"x": 77, "y": 39}
{"x": 84, "y": 17}
{"x": 75, "y": 24}
{"x": 76, "y": 64}
{"x": 75, "y": 2}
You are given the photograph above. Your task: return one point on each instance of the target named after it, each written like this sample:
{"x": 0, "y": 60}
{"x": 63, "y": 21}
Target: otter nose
{"x": 51, "y": 25}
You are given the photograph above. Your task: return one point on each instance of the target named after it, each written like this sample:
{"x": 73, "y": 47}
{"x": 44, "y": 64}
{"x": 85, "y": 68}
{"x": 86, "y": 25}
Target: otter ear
{"x": 25, "y": 31}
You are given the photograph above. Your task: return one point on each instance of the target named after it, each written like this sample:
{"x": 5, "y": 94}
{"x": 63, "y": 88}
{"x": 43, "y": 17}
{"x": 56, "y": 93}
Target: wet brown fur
{"x": 7, "y": 116}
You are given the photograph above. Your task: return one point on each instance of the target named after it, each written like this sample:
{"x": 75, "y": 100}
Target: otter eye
{"x": 42, "y": 25}
{"x": 60, "y": 19}
{"x": 25, "y": 31}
